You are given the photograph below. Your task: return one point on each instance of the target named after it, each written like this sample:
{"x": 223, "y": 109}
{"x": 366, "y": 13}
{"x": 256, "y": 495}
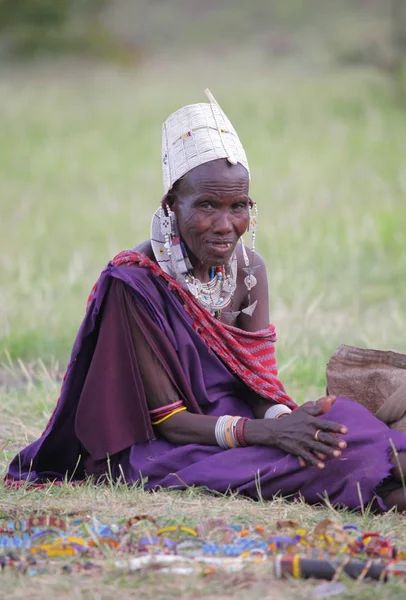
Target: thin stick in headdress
{"x": 213, "y": 102}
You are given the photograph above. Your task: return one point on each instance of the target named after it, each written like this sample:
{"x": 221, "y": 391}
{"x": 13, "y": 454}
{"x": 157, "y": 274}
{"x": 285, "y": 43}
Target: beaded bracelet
{"x": 229, "y": 432}
{"x": 174, "y": 412}
{"x": 161, "y": 411}
{"x": 239, "y": 432}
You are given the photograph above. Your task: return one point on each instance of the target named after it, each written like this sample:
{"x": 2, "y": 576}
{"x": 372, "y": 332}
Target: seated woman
{"x": 172, "y": 377}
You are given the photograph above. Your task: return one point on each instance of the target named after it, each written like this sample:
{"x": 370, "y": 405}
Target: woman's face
{"x": 211, "y": 204}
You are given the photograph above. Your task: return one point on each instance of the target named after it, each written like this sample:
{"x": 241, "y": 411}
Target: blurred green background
{"x": 311, "y": 31}
{"x": 315, "y": 90}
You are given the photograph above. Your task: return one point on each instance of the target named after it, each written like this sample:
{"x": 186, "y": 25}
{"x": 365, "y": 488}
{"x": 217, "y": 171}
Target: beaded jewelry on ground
{"x": 47, "y": 544}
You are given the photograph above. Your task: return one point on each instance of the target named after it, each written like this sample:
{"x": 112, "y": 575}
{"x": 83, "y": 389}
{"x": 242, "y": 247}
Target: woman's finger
{"x": 330, "y": 426}
{"x": 319, "y": 455}
{"x": 326, "y": 403}
{"x": 329, "y": 440}
{"x": 320, "y": 406}
{"x": 320, "y": 449}
{"x": 310, "y": 459}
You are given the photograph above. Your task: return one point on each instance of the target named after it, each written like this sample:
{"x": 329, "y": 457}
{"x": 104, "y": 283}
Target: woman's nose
{"x": 222, "y": 223}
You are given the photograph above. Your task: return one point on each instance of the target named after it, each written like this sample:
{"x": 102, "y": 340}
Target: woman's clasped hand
{"x": 303, "y": 433}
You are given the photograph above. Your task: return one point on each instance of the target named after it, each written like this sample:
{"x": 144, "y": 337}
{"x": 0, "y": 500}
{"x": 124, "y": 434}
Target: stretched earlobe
{"x": 167, "y": 201}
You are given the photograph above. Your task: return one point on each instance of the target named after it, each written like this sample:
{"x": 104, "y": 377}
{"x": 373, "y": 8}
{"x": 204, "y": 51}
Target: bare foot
{"x": 396, "y": 498}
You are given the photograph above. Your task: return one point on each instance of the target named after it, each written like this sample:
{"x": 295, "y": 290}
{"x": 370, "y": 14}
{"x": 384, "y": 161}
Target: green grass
{"x": 80, "y": 177}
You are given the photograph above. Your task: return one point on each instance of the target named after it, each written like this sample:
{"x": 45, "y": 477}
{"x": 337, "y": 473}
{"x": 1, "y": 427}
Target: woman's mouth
{"x": 221, "y": 247}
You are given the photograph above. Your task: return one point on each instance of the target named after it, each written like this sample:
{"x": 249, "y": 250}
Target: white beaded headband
{"x": 196, "y": 134}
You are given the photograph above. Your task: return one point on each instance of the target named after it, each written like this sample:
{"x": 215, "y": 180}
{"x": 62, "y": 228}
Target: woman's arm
{"x": 257, "y": 404}
{"x": 295, "y": 433}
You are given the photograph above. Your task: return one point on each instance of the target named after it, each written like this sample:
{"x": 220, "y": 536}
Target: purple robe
{"x": 103, "y": 412}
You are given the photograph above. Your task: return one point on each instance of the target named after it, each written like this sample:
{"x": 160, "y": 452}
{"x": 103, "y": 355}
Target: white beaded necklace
{"x": 216, "y": 293}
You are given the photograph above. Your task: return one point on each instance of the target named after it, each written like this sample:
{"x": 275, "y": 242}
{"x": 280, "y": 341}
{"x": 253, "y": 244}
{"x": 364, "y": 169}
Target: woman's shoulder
{"x": 135, "y": 269}
{"x": 136, "y": 258}
{"x": 138, "y": 262}
{"x": 145, "y": 248}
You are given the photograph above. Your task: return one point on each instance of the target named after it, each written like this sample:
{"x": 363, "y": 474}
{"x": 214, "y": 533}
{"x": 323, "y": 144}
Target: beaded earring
{"x": 250, "y": 280}
{"x": 253, "y": 224}
{"x": 165, "y": 222}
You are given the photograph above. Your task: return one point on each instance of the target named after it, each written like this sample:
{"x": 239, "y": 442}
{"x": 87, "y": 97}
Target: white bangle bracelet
{"x": 221, "y": 430}
{"x": 277, "y": 410}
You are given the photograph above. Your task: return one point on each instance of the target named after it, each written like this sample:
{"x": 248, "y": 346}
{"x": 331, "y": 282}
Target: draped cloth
{"x": 103, "y": 413}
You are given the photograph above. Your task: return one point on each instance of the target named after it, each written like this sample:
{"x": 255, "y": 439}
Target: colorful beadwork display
{"x": 48, "y": 544}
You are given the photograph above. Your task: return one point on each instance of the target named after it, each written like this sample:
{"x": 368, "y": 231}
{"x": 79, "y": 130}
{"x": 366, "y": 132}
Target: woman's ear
{"x": 168, "y": 200}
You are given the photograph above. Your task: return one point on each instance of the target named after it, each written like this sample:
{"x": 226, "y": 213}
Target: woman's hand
{"x": 296, "y": 433}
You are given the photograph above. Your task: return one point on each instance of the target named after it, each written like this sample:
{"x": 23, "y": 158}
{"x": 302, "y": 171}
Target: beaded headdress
{"x": 196, "y": 134}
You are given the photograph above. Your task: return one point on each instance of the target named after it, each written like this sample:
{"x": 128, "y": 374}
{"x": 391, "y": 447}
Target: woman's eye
{"x": 205, "y": 204}
{"x": 240, "y": 206}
